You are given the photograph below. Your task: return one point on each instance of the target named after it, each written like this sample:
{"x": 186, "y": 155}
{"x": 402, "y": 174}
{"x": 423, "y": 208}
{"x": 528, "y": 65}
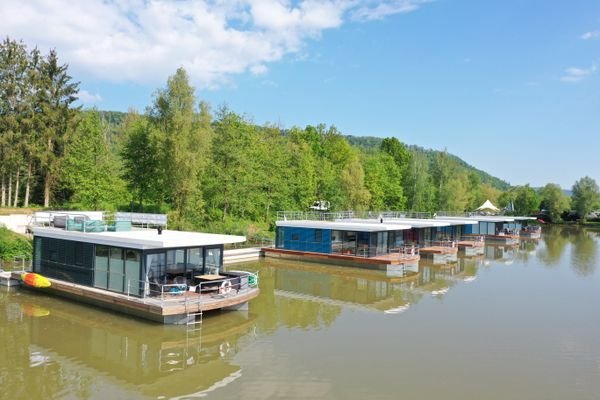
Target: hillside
{"x": 370, "y": 142}
{"x": 114, "y": 118}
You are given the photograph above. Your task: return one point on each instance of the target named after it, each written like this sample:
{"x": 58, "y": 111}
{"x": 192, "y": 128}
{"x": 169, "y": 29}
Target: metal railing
{"x": 346, "y": 215}
{"x": 19, "y": 263}
{"x": 176, "y": 290}
{"x": 438, "y": 243}
{"x": 72, "y": 221}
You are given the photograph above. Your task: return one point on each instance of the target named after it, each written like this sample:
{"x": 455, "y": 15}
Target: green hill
{"x": 370, "y": 142}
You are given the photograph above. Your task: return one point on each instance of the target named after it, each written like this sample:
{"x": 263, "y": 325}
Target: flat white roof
{"x": 345, "y": 226}
{"x": 488, "y": 218}
{"x": 143, "y": 239}
{"x": 413, "y": 222}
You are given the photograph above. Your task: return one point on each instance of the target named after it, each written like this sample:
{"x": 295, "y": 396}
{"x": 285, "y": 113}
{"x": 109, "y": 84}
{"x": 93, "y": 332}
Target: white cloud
{"x": 147, "y": 40}
{"x": 590, "y": 35}
{"x": 573, "y": 74}
{"x": 375, "y": 10}
{"x": 86, "y": 97}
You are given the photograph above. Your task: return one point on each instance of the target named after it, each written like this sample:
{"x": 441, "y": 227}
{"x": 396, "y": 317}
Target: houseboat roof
{"x": 412, "y": 222}
{"x": 143, "y": 239}
{"x": 347, "y": 225}
{"x": 488, "y": 218}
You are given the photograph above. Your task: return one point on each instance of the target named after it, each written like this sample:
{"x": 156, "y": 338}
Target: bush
{"x": 13, "y": 245}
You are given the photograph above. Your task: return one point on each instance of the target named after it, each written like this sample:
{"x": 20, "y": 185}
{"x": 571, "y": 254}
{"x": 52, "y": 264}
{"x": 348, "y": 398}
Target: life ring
{"x": 225, "y": 287}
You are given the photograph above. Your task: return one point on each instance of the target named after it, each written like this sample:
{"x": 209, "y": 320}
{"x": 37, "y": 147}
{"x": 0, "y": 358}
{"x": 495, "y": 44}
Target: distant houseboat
{"x": 496, "y": 229}
{"x": 373, "y": 244}
{"x": 163, "y": 275}
{"x": 379, "y": 240}
{"x": 531, "y": 232}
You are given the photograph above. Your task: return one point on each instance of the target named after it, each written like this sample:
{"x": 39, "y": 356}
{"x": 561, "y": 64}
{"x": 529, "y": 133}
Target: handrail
{"x": 345, "y": 215}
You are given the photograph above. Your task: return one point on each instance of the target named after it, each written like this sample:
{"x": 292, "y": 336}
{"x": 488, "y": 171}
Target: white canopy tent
{"x": 487, "y": 206}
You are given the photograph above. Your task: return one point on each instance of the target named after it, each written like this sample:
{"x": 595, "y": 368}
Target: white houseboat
{"x": 151, "y": 272}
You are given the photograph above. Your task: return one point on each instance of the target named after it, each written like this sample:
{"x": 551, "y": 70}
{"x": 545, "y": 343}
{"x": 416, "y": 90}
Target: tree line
{"x": 215, "y": 170}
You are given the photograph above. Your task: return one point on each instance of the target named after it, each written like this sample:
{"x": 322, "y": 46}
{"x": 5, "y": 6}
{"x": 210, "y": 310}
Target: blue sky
{"x": 512, "y": 87}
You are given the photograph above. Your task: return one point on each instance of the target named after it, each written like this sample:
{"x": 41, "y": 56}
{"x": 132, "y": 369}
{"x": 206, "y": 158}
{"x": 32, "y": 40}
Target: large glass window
{"x": 176, "y": 262}
{"x": 132, "y": 272}
{"x": 116, "y": 269}
{"x": 212, "y": 260}
{"x": 336, "y": 242}
{"x": 101, "y": 269}
{"x": 195, "y": 262}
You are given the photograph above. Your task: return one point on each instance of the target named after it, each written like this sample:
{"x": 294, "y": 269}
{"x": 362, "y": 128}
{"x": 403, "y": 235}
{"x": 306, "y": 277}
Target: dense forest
{"x": 214, "y": 169}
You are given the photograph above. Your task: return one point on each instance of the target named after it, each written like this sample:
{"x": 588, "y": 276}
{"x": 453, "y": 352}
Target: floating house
{"x": 374, "y": 244}
{"x": 163, "y": 275}
{"x": 380, "y": 240}
{"x": 496, "y": 229}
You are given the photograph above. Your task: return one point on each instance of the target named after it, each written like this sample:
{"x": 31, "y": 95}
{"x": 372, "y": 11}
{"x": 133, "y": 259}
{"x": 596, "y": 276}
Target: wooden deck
{"x": 169, "y": 309}
{"x": 438, "y": 250}
{"x": 358, "y": 261}
{"x": 471, "y": 243}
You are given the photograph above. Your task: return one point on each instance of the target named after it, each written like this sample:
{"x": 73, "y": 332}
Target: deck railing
{"x": 346, "y": 215}
{"x": 176, "y": 290}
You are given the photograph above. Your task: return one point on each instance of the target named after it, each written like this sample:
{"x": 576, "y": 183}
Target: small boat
{"x": 35, "y": 280}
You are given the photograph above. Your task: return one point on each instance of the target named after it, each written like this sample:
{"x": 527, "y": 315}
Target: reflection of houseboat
{"x": 153, "y": 361}
{"x": 344, "y": 287}
{"x": 163, "y": 275}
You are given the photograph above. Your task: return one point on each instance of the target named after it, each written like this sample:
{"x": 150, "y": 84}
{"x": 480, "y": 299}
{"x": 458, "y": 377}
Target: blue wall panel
{"x": 305, "y": 239}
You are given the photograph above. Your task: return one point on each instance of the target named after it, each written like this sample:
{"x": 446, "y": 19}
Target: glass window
{"x": 195, "y": 260}
{"x": 295, "y": 236}
{"x": 116, "y": 269}
{"x": 156, "y": 267}
{"x": 101, "y": 267}
{"x": 213, "y": 261}
{"x": 318, "y": 235}
{"x": 132, "y": 272}
{"x": 176, "y": 262}
{"x": 280, "y": 238}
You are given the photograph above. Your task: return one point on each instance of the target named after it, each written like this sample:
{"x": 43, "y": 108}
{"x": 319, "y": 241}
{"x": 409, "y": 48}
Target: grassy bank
{"x": 13, "y": 245}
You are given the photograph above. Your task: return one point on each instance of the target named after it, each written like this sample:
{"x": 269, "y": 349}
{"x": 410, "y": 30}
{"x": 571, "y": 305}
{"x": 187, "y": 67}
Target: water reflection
{"x": 584, "y": 253}
{"x": 330, "y": 288}
{"x": 556, "y": 239}
{"x": 53, "y": 348}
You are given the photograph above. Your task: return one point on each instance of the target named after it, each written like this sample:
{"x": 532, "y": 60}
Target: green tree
{"x": 585, "y": 196}
{"x": 398, "y": 151}
{"x": 383, "y": 179}
{"x": 141, "y": 162}
{"x": 87, "y": 167}
{"x": 56, "y": 94}
{"x": 182, "y": 135}
{"x": 13, "y": 95}
{"x": 420, "y": 190}
{"x": 554, "y": 201}
{"x": 526, "y": 200}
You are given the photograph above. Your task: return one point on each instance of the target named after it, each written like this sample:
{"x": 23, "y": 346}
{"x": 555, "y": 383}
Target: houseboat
{"x": 530, "y": 232}
{"x": 496, "y": 229}
{"x": 134, "y": 265}
{"x": 368, "y": 244}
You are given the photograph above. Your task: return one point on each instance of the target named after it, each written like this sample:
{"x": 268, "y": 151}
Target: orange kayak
{"x": 35, "y": 280}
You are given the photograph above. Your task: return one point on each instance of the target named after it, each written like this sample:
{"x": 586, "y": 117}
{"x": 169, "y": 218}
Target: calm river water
{"x": 518, "y": 323}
